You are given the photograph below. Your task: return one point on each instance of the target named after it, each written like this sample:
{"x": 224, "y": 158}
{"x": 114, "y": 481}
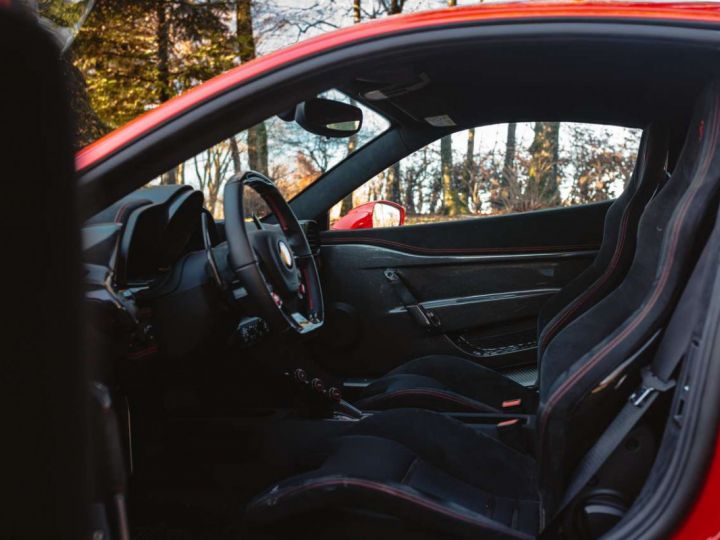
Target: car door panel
{"x": 482, "y": 282}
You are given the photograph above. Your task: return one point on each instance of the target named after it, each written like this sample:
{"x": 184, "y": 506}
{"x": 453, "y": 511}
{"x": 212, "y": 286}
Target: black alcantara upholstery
{"x": 428, "y": 472}
{"x": 446, "y": 383}
{"x": 427, "y": 469}
{"x": 450, "y": 383}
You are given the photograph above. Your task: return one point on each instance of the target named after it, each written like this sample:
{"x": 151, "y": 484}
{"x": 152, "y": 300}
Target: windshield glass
{"x": 284, "y": 151}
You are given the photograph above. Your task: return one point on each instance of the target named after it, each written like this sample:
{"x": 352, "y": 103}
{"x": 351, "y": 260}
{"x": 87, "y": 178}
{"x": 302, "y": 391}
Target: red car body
{"x": 362, "y": 217}
{"x": 703, "y": 519}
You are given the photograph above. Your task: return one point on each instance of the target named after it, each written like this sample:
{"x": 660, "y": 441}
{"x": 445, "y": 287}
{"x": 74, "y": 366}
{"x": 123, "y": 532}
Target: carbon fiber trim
{"x": 525, "y": 375}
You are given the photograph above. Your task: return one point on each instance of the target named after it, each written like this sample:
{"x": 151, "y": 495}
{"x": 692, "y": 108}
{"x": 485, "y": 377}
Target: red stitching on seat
{"x": 272, "y": 497}
{"x": 440, "y": 394}
{"x": 688, "y": 199}
{"x": 573, "y": 306}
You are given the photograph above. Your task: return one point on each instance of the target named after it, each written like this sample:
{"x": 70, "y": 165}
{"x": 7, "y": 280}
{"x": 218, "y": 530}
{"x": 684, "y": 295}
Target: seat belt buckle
{"x": 649, "y": 385}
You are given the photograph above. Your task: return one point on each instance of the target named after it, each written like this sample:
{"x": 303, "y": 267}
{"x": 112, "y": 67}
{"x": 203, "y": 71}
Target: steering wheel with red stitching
{"x": 274, "y": 263}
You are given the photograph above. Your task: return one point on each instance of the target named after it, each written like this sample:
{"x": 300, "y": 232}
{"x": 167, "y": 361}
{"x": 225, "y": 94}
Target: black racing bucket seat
{"x": 451, "y": 383}
{"x": 421, "y": 474}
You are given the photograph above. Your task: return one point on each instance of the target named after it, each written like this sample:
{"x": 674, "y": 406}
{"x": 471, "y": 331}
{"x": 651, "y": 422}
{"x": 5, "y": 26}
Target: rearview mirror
{"x": 372, "y": 215}
{"x": 328, "y": 118}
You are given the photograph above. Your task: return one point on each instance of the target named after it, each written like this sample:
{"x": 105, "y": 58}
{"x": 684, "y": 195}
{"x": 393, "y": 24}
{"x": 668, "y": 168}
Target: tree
{"x": 393, "y": 7}
{"x": 436, "y": 187}
{"x": 411, "y": 181}
{"x": 392, "y": 187}
{"x": 210, "y": 170}
{"x": 163, "y": 51}
{"x": 468, "y": 171}
{"x": 500, "y": 193}
{"x": 543, "y": 188}
{"x": 600, "y": 164}
{"x": 135, "y": 55}
{"x": 88, "y": 125}
{"x": 449, "y": 204}
{"x": 256, "y": 135}
{"x": 488, "y": 172}
{"x": 419, "y": 171}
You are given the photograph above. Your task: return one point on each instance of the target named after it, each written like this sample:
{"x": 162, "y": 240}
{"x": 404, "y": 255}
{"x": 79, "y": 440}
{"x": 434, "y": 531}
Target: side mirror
{"x": 328, "y": 118}
{"x": 372, "y": 215}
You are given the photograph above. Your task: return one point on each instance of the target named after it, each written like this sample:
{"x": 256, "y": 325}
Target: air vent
{"x": 312, "y": 232}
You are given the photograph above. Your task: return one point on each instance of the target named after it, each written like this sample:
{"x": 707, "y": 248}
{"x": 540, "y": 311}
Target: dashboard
{"x": 146, "y": 271}
{"x": 159, "y": 260}
{"x": 141, "y": 236}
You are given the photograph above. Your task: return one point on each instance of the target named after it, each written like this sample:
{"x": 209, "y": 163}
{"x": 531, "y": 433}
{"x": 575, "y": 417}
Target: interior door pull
{"x": 426, "y": 318}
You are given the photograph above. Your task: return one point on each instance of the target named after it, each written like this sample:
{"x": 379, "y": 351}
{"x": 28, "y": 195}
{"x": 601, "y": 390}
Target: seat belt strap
{"x": 425, "y": 318}
{"x": 636, "y": 407}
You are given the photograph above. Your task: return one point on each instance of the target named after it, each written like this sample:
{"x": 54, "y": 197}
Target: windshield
{"x": 291, "y": 156}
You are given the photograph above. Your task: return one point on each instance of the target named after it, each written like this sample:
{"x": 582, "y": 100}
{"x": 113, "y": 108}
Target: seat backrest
{"x": 618, "y": 244}
{"x": 572, "y": 413}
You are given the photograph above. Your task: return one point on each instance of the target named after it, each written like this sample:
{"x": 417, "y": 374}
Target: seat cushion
{"x": 449, "y": 384}
{"x": 458, "y": 481}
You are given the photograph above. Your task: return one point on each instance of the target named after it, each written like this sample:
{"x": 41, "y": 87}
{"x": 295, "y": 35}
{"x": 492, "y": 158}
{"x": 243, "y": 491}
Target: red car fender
{"x": 361, "y": 217}
{"x": 703, "y": 520}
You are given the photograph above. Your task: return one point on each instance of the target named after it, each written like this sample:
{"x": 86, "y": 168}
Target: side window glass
{"x": 497, "y": 169}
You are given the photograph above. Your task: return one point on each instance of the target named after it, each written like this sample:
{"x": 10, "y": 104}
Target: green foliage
{"x": 120, "y": 50}
{"x": 61, "y": 12}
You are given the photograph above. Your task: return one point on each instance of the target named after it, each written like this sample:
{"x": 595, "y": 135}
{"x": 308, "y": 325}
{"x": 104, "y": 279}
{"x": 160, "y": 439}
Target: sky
{"x": 312, "y": 17}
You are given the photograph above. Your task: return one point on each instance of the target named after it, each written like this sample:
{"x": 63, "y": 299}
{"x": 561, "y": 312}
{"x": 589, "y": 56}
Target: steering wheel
{"x": 273, "y": 263}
